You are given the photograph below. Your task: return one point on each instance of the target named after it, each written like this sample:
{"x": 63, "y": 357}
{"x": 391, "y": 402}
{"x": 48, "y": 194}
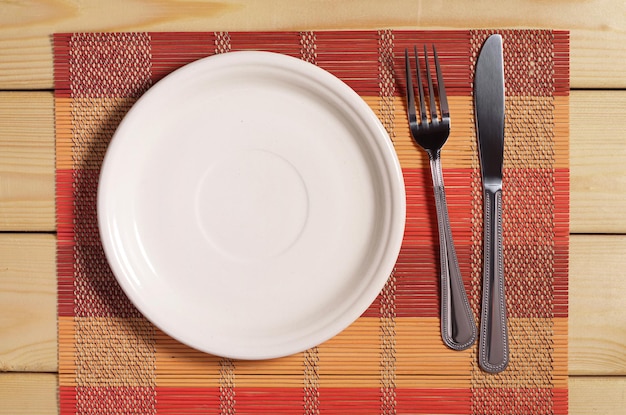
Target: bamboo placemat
{"x": 392, "y": 360}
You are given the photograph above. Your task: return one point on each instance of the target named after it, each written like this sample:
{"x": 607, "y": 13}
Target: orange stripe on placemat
{"x": 349, "y": 359}
{"x": 96, "y": 120}
{"x": 537, "y": 133}
{"x": 459, "y": 151}
{"x": 114, "y": 352}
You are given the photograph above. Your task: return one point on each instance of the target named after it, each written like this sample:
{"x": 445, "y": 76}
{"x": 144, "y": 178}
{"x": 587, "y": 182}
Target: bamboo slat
{"x": 598, "y": 29}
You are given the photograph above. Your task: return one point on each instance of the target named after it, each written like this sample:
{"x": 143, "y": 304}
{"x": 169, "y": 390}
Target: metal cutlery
{"x": 489, "y": 110}
{"x": 431, "y": 132}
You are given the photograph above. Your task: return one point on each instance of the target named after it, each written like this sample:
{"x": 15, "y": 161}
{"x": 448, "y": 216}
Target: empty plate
{"x": 251, "y": 205}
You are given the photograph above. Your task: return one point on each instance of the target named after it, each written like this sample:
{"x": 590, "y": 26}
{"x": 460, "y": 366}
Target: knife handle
{"x": 493, "y": 344}
{"x": 458, "y": 329}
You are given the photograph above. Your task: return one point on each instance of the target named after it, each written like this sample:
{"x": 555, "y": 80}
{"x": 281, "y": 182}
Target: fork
{"x": 458, "y": 329}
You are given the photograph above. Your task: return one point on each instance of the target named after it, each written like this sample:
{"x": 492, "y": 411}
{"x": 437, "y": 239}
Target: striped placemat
{"x": 392, "y": 359}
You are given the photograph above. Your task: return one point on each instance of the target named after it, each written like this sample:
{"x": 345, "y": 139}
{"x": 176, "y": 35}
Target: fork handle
{"x": 494, "y": 345}
{"x": 458, "y": 329}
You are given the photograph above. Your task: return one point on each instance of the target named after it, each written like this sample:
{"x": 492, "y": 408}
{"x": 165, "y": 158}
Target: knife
{"x": 493, "y": 349}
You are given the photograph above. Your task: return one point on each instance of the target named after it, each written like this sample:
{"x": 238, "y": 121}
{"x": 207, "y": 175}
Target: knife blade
{"x": 489, "y": 110}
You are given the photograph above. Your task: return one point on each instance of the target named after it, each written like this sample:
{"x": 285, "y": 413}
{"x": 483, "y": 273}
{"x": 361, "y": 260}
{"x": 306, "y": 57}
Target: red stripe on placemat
{"x": 561, "y": 59}
{"x": 341, "y": 401}
{"x": 179, "y": 400}
{"x": 417, "y": 279}
{"x": 65, "y": 206}
{"x": 171, "y": 51}
{"x": 560, "y": 282}
{"x": 433, "y": 401}
{"x": 407, "y": 400}
{"x": 421, "y": 224}
{"x": 101, "y": 64}
{"x": 86, "y": 284}
{"x": 107, "y": 400}
{"x": 286, "y": 43}
{"x": 357, "y": 46}
{"x": 66, "y": 297}
{"x": 351, "y": 56}
{"x": 67, "y": 400}
{"x": 560, "y": 401}
{"x": 453, "y": 53}
{"x": 60, "y": 43}
{"x": 65, "y": 242}
{"x": 417, "y": 268}
{"x": 561, "y": 243}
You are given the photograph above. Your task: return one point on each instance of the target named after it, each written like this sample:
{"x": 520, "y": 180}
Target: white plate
{"x": 251, "y": 205}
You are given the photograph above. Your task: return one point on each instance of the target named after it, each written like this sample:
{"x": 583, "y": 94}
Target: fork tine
{"x": 431, "y": 90}
{"x": 443, "y": 99}
{"x": 420, "y": 87}
{"x": 410, "y": 92}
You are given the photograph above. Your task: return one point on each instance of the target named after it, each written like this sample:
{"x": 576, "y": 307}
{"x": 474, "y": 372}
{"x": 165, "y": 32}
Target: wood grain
{"x": 597, "y": 168}
{"x": 26, "y": 161}
{"x": 597, "y": 395}
{"x": 28, "y": 394}
{"x": 28, "y": 337}
{"x": 598, "y": 29}
{"x": 597, "y": 335}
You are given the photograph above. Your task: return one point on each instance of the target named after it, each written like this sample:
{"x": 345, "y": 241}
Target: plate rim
{"x": 384, "y": 149}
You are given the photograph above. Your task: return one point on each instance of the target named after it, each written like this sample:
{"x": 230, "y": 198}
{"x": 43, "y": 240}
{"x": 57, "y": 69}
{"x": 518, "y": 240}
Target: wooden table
{"x": 597, "y": 330}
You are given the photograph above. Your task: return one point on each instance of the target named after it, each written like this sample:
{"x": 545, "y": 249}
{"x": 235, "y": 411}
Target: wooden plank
{"x": 597, "y": 155}
{"x": 28, "y": 394}
{"x": 28, "y": 337}
{"x": 597, "y": 151}
{"x": 597, "y": 395}
{"x": 26, "y": 161}
{"x": 597, "y": 36}
{"x": 597, "y": 330}
{"x": 35, "y": 394}
{"x": 597, "y": 335}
